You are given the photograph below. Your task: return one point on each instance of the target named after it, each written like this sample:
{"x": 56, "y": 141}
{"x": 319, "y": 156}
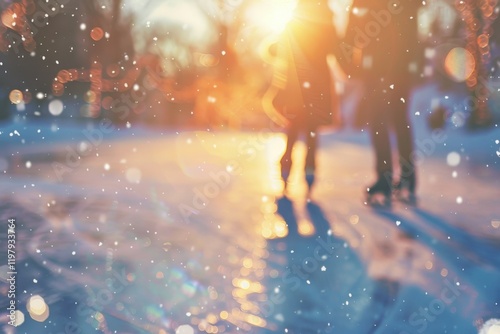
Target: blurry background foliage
{"x": 170, "y": 62}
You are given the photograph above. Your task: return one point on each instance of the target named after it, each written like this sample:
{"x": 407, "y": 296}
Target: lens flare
{"x": 271, "y": 17}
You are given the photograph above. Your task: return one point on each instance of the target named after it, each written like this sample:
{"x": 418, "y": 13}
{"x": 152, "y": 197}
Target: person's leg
{"x": 292, "y": 133}
{"x": 379, "y": 124}
{"x": 404, "y": 138}
{"x": 311, "y": 147}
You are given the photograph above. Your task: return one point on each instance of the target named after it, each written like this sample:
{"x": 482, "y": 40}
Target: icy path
{"x": 188, "y": 232}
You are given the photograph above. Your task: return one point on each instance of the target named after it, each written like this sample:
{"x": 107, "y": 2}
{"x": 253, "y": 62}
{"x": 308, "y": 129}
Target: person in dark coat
{"x": 305, "y": 97}
{"x": 381, "y": 49}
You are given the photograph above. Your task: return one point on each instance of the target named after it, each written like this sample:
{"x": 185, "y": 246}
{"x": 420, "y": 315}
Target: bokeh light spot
{"x": 453, "y": 159}
{"x": 56, "y": 107}
{"x": 38, "y": 309}
{"x": 495, "y": 329}
{"x": 97, "y": 34}
{"x": 224, "y": 315}
{"x": 19, "y": 318}
{"x": 491, "y": 326}
{"x": 482, "y": 40}
{"x": 16, "y": 96}
{"x": 184, "y": 329}
{"x": 459, "y": 64}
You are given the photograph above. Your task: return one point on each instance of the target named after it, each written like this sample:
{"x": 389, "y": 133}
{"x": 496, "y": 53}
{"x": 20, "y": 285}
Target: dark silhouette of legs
{"x": 311, "y": 141}
{"x": 405, "y": 147}
{"x": 379, "y": 122}
{"x": 389, "y": 111}
{"x": 292, "y": 134}
{"x": 310, "y": 165}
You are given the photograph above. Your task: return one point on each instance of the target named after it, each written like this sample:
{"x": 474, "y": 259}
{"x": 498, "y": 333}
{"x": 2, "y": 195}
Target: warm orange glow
{"x": 224, "y": 315}
{"x": 241, "y": 283}
{"x": 459, "y": 64}
{"x": 471, "y": 81}
{"x": 255, "y": 320}
{"x": 16, "y": 96}
{"x": 97, "y": 34}
{"x": 63, "y": 76}
{"x": 306, "y": 228}
{"x": 212, "y": 318}
{"x": 14, "y": 17}
{"x": 488, "y": 11}
{"x": 247, "y": 263}
{"x": 89, "y": 97}
{"x": 57, "y": 89}
{"x": 482, "y": 40}
{"x": 10, "y": 18}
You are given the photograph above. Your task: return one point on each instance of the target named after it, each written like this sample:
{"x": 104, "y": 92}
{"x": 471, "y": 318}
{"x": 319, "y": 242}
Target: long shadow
{"x": 447, "y": 244}
{"x": 483, "y": 248}
{"x": 320, "y": 280}
{"x": 476, "y": 272}
{"x": 321, "y": 224}
{"x": 413, "y": 231}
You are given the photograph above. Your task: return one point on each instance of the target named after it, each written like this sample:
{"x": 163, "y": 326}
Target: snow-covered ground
{"x": 187, "y": 232}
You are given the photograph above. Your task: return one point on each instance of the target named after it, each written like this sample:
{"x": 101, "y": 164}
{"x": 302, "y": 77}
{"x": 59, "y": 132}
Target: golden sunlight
{"x": 306, "y": 227}
{"x": 271, "y": 16}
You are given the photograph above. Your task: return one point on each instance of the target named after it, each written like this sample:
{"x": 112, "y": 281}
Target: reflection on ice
{"x": 127, "y": 262}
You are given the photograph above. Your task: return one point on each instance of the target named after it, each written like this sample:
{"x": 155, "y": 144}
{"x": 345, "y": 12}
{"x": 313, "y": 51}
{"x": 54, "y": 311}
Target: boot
{"x": 309, "y": 173}
{"x": 404, "y": 190}
{"x": 379, "y": 194}
{"x": 285, "y": 167}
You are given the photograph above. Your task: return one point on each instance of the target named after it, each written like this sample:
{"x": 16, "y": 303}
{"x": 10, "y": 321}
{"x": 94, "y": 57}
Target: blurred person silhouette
{"x": 304, "y": 96}
{"x": 381, "y": 49}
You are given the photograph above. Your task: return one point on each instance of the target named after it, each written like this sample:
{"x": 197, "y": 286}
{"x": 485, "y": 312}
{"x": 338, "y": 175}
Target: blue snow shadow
{"x": 321, "y": 286}
{"x": 452, "y": 303}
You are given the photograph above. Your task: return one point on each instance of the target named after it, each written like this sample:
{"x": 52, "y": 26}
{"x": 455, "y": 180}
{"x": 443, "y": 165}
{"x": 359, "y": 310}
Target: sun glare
{"x": 271, "y": 16}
